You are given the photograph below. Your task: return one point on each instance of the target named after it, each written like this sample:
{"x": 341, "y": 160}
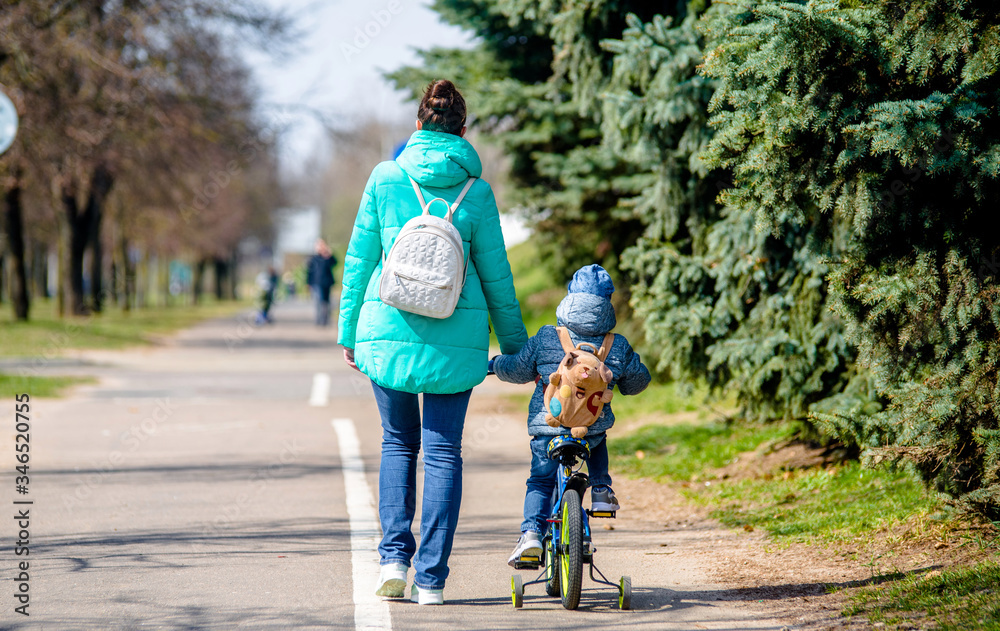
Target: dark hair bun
{"x": 442, "y": 95}
{"x": 442, "y": 108}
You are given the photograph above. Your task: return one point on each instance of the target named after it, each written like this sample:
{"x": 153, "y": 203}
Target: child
{"x": 588, "y": 314}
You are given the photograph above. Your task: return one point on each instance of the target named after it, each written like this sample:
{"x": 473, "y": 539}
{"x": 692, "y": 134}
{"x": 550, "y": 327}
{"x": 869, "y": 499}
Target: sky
{"x": 335, "y": 67}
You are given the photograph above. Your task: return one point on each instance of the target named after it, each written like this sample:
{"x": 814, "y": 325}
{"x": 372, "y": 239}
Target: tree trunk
{"x": 80, "y": 223}
{"x": 15, "y": 243}
{"x": 128, "y": 273}
{"x": 233, "y": 275}
{"x": 142, "y": 281}
{"x": 96, "y": 260}
{"x": 198, "y": 281}
{"x": 124, "y": 268}
{"x": 220, "y": 278}
{"x": 61, "y": 269}
{"x": 40, "y": 269}
{"x": 75, "y": 221}
{"x": 163, "y": 279}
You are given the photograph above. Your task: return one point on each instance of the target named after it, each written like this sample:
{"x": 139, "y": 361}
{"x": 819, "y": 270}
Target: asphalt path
{"x": 226, "y": 480}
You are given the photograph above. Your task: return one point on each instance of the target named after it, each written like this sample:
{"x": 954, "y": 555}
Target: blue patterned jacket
{"x": 588, "y": 318}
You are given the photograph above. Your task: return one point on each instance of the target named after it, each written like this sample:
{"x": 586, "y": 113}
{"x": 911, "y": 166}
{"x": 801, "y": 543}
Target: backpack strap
{"x": 564, "y": 339}
{"x": 567, "y": 343}
{"x": 425, "y": 206}
{"x": 609, "y": 340}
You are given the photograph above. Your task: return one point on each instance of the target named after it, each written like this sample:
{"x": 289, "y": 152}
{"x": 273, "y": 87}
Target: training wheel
{"x": 625, "y": 593}
{"x": 517, "y": 591}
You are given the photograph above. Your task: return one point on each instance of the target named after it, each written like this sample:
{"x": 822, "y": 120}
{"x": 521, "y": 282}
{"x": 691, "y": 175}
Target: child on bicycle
{"x": 588, "y": 314}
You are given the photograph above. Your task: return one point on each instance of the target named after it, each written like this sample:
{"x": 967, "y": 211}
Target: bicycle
{"x": 567, "y": 546}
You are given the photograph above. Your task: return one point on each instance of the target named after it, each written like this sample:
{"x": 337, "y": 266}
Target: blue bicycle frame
{"x": 566, "y": 450}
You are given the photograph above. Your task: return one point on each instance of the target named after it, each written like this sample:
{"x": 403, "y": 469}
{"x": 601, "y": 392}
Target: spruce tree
{"x": 747, "y": 311}
{"x": 880, "y": 122}
{"x": 522, "y": 85}
{"x": 847, "y": 271}
{"x": 607, "y": 151}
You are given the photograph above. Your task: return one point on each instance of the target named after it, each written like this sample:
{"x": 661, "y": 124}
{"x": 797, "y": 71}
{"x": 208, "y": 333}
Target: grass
{"x": 657, "y": 399}
{"x": 955, "y": 599}
{"x": 823, "y": 503}
{"x": 867, "y": 511}
{"x": 46, "y": 335}
{"x": 537, "y": 291}
{"x": 41, "y": 387}
{"x": 685, "y": 452}
{"x": 802, "y": 504}
{"x": 49, "y": 336}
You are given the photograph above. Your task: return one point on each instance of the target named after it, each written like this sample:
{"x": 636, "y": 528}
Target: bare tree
{"x": 124, "y": 92}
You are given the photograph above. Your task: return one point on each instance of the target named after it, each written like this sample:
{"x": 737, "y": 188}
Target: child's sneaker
{"x": 603, "y": 500}
{"x": 530, "y": 546}
{"x": 423, "y": 596}
{"x": 392, "y": 581}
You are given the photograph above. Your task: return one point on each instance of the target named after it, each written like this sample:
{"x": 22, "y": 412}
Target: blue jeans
{"x": 542, "y": 480}
{"x": 322, "y": 297}
{"x": 402, "y": 434}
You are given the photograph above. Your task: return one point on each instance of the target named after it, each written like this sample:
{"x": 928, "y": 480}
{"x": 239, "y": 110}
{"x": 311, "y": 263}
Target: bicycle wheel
{"x": 517, "y": 591}
{"x": 571, "y": 550}
{"x": 551, "y": 569}
{"x": 625, "y": 593}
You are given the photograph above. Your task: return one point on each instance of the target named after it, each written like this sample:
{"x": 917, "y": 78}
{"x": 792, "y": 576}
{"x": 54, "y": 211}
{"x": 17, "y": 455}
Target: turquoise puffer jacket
{"x": 414, "y": 353}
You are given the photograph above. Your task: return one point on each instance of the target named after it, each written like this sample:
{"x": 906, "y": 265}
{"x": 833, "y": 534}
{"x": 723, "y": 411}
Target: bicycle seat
{"x": 563, "y": 448}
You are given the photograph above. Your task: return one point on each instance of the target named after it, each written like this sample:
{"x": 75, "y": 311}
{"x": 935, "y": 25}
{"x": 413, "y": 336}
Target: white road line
{"x": 370, "y": 611}
{"x": 320, "y": 395}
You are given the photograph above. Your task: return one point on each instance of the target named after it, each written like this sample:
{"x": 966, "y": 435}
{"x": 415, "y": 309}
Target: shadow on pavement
{"x": 205, "y": 535}
{"x": 209, "y": 473}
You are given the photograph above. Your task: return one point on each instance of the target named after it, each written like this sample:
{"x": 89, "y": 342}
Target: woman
{"x": 405, "y": 354}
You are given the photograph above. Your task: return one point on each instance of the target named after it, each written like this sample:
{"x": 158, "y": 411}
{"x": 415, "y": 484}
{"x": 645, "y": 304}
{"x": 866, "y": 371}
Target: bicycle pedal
{"x": 528, "y": 563}
{"x": 602, "y": 514}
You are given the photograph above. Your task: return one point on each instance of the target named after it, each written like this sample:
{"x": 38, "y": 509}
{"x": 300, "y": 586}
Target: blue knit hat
{"x": 592, "y": 279}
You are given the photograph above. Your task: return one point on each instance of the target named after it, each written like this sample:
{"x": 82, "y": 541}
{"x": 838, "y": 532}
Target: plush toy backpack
{"x": 578, "y": 389}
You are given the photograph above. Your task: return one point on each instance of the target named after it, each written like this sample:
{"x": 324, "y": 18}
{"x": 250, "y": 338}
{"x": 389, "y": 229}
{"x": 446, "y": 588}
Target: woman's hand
{"x": 349, "y": 358}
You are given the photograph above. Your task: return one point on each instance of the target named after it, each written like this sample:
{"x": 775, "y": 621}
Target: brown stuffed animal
{"x": 578, "y": 389}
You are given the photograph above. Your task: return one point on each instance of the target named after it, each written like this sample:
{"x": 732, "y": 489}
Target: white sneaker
{"x": 529, "y": 545}
{"x": 392, "y": 581}
{"x": 423, "y": 596}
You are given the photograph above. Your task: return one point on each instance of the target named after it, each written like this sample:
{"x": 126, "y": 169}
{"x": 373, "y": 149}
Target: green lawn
{"x": 47, "y": 335}
{"x": 864, "y": 510}
{"x": 42, "y": 387}
{"x": 815, "y": 504}
{"x": 959, "y": 599}
{"x": 537, "y": 292}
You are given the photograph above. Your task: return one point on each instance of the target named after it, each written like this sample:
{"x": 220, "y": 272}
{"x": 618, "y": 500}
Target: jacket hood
{"x": 586, "y": 314}
{"x": 439, "y": 160}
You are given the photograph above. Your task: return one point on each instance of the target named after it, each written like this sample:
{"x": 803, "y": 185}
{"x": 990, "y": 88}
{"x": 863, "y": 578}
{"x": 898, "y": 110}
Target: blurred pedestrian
{"x": 289, "y": 281}
{"x": 267, "y": 284}
{"x": 319, "y": 277}
{"x": 406, "y": 354}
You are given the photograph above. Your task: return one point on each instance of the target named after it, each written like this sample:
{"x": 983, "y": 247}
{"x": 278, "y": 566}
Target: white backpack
{"x": 425, "y": 269}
